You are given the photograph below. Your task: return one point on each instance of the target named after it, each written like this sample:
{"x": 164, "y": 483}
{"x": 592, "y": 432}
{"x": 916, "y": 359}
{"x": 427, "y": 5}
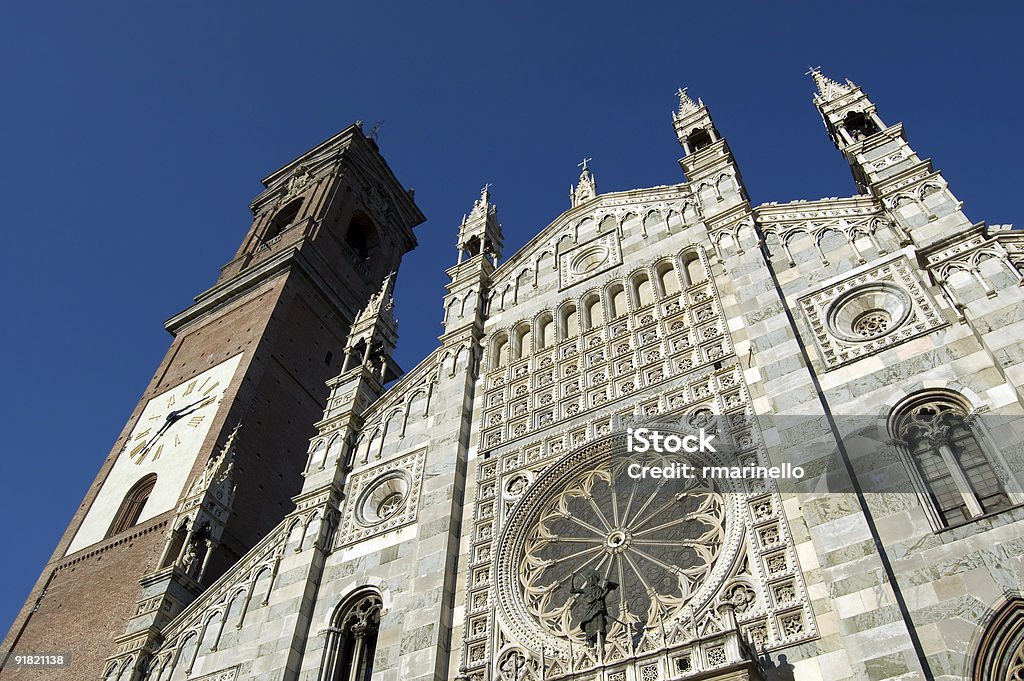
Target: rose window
{"x": 872, "y": 323}
{"x": 657, "y": 540}
{"x": 391, "y": 505}
{"x": 868, "y": 312}
{"x": 383, "y": 499}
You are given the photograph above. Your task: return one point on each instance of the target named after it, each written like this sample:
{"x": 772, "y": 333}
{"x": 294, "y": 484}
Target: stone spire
{"x": 381, "y": 305}
{"x": 828, "y": 89}
{"x": 587, "y": 187}
{"x": 686, "y": 105}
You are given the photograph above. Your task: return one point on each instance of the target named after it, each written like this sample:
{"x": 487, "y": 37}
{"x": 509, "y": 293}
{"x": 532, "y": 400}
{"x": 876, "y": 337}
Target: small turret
{"x": 587, "y": 187}
{"x": 374, "y": 336}
{"x": 480, "y": 233}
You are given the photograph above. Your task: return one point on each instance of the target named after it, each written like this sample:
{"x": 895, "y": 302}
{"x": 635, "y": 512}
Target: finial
{"x": 686, "y": 104}
{"x": 587, "y": 188}
{"x": 374, "y": 131}
{"x": 827, "y": 88}
{"x": 480, "y": 206}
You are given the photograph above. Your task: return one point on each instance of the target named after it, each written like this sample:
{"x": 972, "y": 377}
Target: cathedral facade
{"x": 475, "y": 517}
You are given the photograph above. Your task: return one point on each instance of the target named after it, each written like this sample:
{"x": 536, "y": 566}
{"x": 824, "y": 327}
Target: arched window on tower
{"x": 859, "y": 125}
{"x": 283, "y": 219}
{"x": 643, "y": 292}
{"x": 472, "y": 246}
{"x": 361, "y": 236}
{"x": 698, "y": 139}
{"x": 134, "y": 502}
{"x": 695, "y": 272}
{"x": 523, "y": 340}
{"x": 957, "y": 474}
{"x": 352, "y": 639}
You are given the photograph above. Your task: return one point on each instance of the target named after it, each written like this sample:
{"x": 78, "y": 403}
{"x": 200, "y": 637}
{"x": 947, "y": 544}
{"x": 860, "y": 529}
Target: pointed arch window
{"x": 352, "y": 639}
{"x": 955, "y": 468}
{"x": 132, "y": 506}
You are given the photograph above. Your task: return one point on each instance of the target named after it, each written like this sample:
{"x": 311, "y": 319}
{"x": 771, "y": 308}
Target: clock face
{"x": 165, "y": 441}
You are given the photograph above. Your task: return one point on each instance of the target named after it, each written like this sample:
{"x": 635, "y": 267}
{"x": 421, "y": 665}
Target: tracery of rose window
{"x": 656, "y": 539}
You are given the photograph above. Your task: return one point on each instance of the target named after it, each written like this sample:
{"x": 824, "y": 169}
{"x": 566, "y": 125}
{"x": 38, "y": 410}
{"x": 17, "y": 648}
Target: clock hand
{"x": 172, "y": 418}
{"x": 195, "y": 406}
{"x": 145, "y": 449}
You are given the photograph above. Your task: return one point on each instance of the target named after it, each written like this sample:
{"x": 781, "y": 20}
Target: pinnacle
{"x": 481, "y": 205}
{"x": 828, "y": 89}
{"x": 686, "y": 104}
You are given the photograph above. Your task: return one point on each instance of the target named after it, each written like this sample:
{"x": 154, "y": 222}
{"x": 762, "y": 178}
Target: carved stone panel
{"x": 869, "y": 312}
{"x": 382, "y": 498}
{"x": 588, "y": 260}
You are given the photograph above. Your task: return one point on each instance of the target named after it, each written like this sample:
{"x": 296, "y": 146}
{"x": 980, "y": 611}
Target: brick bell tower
{"x": 244, "y": 378}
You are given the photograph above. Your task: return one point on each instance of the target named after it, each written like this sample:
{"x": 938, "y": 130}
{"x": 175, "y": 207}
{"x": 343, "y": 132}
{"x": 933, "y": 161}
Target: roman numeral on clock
{"x": 195, "y": 421}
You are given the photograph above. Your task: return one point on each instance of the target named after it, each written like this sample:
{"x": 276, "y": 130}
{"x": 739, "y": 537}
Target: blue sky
{"x": 135, "y": 135}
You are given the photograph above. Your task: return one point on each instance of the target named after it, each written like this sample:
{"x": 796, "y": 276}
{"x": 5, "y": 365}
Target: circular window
{"x": 868, "y": 312}
{"x": 656, "y": 549}
{"x": 872, "y": 323}
{"x": 589, "y": 259}
{"x": 384, "y": 498}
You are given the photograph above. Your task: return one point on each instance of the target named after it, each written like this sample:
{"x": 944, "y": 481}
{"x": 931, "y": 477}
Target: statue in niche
{"x": 194, "y": 555}
{"x": 594, "y": 595}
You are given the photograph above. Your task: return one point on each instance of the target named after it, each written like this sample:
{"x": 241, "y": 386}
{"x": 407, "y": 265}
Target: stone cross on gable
{"x": 583, "y": 164}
